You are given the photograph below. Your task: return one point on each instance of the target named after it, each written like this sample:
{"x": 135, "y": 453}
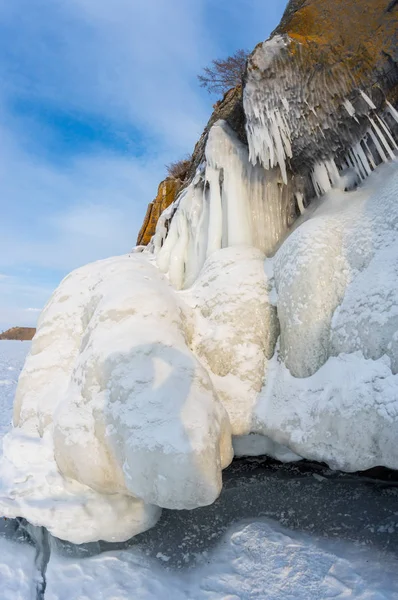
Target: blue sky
{"x": 96, "y": 97}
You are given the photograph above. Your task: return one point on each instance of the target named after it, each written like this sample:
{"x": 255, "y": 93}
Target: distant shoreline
{"x": 18, "y": 333}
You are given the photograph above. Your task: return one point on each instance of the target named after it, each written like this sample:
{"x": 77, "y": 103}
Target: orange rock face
{"x": 331, "y": 57}
{"x": 336, "y": 48}
{"x": 362, "y": 33}
{"x": 167, "y": 192}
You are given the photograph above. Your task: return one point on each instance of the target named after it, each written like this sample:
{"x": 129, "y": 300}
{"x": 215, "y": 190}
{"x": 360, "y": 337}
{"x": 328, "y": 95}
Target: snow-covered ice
{"x": 302, "y": 537}
{"x": 18, "y": 573}
{"x": 12, "y": 358}
{"x": 258, "y": 560}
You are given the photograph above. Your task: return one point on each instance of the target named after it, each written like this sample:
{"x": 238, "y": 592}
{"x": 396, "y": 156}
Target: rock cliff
{"x": 320, "y": 81}
{"x": 167, "y": 192}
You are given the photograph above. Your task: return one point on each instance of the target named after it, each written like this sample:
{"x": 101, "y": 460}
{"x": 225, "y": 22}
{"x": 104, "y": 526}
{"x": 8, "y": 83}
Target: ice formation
{"x": 234, "y": 332}
{"x": 229, "y": 203}
{"x": 112, "y": 398}
{"x": 290, "y": 116}
{"x": 235, "y": 328}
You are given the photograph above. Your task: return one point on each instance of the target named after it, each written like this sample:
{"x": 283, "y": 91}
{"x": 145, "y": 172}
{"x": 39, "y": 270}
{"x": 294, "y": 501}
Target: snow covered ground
{"x": 275, "y": 533}
{"x": 12, "y": 358}
{"x": 17, "y": 560}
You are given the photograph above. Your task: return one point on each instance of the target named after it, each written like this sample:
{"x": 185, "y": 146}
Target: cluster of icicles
{"x": 233, "y": 202}
{"x": 377, "y": 146}
{"x": 230, "y": 202}
{"x": 246, "y": 195}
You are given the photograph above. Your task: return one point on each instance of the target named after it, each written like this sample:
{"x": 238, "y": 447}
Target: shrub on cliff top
{"x": 224, "y": 74}
{"x": 180, "y": 168}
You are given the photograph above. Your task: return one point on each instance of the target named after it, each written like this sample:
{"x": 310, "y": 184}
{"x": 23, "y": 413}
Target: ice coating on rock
{"x": 332, "y": 390}
{"x": 236, "y": 328}
{"x": 229, "y": 203}
{"x": 304, "y": 113}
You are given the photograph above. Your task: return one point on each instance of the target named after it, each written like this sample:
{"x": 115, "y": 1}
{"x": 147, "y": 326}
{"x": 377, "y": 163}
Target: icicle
{"x": 163, "y": 256}
{"x": 376, "y": 142}
{"x": 300, "y": 202}
{"x": 368, "y": 100}
{"x": 357, "y": 164}
{"x": 392, "y": 110}
{"x": 369, "y": 155}
{"x": 361, "y": 158}
{"x": 349, "y": 108}
{"x": 382, "y": 138}
{"x": 215, "y": 213}
{"x": 178, "y": 254}
{"x": 320, "y": 178}
{"x": 387, "y": 131}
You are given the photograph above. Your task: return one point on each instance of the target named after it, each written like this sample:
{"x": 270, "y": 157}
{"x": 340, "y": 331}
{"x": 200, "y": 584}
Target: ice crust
{"x": 230, "y": 334}
{"x": 229, "y": 203}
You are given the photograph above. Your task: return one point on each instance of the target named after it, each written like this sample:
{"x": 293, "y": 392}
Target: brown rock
{"x": 336, "y": 48}
{"x": 230, "y": 109}
{"x": 18, "y": 333}
{"x": 167, "y": 192}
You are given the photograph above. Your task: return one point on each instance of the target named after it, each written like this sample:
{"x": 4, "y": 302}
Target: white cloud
{"x": 60, "y": 216}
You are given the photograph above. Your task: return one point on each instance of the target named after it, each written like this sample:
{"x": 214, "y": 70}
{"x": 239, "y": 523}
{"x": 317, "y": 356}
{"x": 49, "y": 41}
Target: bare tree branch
{"x": 224, "y": 74}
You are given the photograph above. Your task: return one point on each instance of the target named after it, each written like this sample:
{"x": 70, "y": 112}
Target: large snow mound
{"x": 113, "y": 414}
{"x": 332, "y": 394}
